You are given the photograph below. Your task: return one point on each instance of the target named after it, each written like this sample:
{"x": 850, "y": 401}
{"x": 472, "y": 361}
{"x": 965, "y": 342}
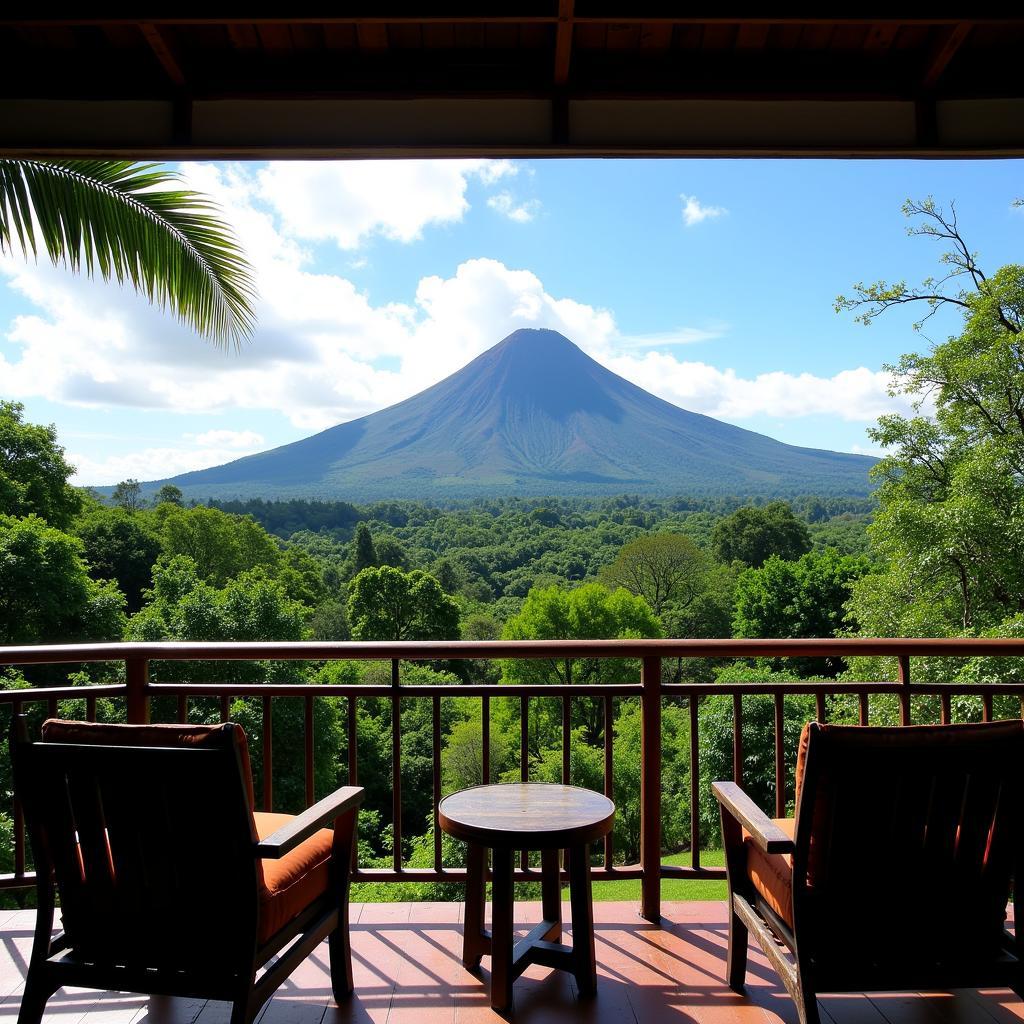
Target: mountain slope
{"x": 533, "y": 415}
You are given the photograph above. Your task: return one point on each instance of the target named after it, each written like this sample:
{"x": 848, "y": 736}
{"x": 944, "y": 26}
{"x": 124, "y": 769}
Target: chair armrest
{"x": 302, "y": 826}
{"x": 766, "y": 834}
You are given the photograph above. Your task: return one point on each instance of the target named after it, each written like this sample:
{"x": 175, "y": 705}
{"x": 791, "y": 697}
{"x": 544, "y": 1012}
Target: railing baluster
{"x": 485, "y": 739}
{"x": 51, "y": 708}
{"x": 435, "y": 744}
{"x": 396, "y": 767}
{"x": 183, "y": 708}
{"x": 19, "y": 817}
{"x": 780, "y": 763}
{"x": 90, "y": 709}
{"x": 947, "y": 709}
{"x": 904, "y": 677}
{"x": 986, "y": 707}
{"x": 694, "y": 786}
{"x": 524, "y": 758}
{"x": 566, "y": 741}
{"x": 225, "y": 707}
{"x": 609, "y": 767}
{"x": 863, "y": 711}
{"x": 819, "y": 710}
{"x": 268, "y": 754}
{"x": 737, "y": 739}
{"x": 650, "y": 790}
{"x": 308, "y": 744}
{"x": 353, "y": 761}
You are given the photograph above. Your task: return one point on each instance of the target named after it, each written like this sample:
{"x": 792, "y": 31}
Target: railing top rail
{"x": 463, "y": 649}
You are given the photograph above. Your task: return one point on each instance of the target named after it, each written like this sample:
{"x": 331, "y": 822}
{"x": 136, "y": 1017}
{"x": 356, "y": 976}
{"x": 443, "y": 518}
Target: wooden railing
{"x": 137, "y": 691}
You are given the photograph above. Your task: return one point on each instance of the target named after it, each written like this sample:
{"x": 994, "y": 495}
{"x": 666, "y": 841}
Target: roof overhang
{"x": 534, "y": 78}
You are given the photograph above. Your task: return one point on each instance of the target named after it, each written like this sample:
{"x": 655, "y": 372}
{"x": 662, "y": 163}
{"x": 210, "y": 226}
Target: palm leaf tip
{"x": 125, "y": 221}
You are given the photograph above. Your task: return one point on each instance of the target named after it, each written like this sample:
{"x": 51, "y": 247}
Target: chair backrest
{"x": 149, "y": 834}
{"x": 907, "y": 843}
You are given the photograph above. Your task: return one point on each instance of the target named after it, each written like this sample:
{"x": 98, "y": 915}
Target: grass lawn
{"x": 671, "y": 888}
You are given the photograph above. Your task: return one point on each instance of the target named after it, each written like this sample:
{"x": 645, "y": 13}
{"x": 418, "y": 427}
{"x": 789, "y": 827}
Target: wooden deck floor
{"x": 407, "y": 971}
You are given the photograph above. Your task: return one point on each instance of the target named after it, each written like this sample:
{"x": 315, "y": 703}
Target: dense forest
{"x": 936, "y": 552}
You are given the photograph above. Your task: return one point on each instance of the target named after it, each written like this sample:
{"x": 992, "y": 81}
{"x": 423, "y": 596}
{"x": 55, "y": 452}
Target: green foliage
{"x": 388, "y": 604}
{"x": 806, "y": 598}
{"x": 120, "y": 547}
{"x": 123, "y": 219}
{"x": 949, "y": 525}
{"x": 364, "y": 556}
{"x": 662, "y": 568}
{"x": 169, "y": 494}
{"x": 128, "y": 494}
{"x": 221, "y": 545}
{"x": 589, "y": 612}
{"x": 752, "y": 535}
{"x": 46, "y": 594}
{"x": 33, "y": 471}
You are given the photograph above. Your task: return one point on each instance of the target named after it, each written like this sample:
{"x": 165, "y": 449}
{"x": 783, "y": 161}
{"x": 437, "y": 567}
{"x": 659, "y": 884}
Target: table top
{"x": 531, "y": 815}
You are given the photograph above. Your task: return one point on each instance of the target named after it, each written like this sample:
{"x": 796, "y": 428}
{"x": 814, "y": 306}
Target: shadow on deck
{"x": 407, "y": 967}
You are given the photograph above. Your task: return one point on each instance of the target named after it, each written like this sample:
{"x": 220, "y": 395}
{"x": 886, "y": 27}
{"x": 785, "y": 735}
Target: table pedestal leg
{"x": 474, "y": 939}
{"x": 582, "y": 910}
{"x": 551, "y": 894}
{"x": 501, "y": 929}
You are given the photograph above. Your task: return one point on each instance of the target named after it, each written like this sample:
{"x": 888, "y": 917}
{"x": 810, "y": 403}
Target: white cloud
{"x": 858, "y": 395}
{"x": 694, "y": 211}
{"x": 228, "y": 439}
{"x": 347, "y": 201}
{"x": 149, "y": 463}
{"x": 669, "y": 339}
{"x": 505, "y": 204}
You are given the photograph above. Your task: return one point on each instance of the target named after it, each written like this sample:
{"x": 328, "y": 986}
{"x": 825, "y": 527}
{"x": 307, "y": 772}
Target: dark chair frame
{"x": 167, "y": 938}
{"x": 796, "y": 953}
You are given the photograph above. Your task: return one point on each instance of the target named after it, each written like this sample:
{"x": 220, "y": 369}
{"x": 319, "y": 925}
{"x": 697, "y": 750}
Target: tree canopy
{"x": 33, "y": 471}
{"x": 951, "y": 494}
{"x": 388, "y": 604}
{"x": 753, "y": 534}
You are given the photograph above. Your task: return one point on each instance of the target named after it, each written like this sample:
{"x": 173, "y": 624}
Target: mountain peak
{"x": 532, "y": 415}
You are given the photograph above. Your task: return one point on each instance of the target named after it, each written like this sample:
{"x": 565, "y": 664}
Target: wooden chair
{"x": 895, "y": 872}
{"x": 169, "y": 882}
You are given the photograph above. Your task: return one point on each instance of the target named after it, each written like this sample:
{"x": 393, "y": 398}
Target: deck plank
{"x": 408, "y": 970}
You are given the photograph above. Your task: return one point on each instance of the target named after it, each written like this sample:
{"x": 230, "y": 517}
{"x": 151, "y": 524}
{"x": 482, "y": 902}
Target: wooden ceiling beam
{"x": 563, "y": 42}
{"x": 164, "y": 52}
{"x": 943, "y": 53}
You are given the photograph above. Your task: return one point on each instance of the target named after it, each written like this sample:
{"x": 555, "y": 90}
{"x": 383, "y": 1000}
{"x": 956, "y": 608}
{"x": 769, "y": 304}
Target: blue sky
{"x": 710, "y": 283}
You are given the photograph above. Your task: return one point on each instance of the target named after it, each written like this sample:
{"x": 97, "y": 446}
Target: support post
{"x": 137, "y": 678}
{"x": 650, "y": 790}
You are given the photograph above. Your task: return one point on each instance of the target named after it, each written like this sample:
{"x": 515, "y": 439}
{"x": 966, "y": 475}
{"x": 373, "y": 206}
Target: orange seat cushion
{"x": 292, "y": 883}
{"x": 771, "y": 874}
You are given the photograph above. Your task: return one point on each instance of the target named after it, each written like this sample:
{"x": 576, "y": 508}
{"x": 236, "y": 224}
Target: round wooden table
{"x": 528, "y": 816}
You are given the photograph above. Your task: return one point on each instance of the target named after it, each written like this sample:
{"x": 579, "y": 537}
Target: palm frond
{"x": 122, "y": 219}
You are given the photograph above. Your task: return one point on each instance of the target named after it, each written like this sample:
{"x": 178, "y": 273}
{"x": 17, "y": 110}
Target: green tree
{"x": 121, "y": 547}
{"x": 365, "y": 556}
{"x": 951, "y": 494}
{"x": 805, "y": 598}
{"x": 128, "y": 495}
{"x": 33, "y": 471}
{"x": 388, "y": 604}
{"x": 751, "y": 535}
{"x": 46, "y": 593}
{"x": 662, "y": 568}
{"x": 221, "y": 545}
{"x": 127, "y": 221}
{"x": 169, "y": 494}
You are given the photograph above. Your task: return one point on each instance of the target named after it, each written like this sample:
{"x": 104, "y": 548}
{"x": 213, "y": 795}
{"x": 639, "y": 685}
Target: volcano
{"x": 533, "y": 415}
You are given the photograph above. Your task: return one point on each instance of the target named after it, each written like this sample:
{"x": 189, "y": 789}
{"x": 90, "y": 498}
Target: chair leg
{"x": 806, "y": 1003}
{"x": 242, "y": 1009}
{"x": 33, "y": 1002}
{"x": 736, "y": 957}
{"x": 339, "y": 950}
